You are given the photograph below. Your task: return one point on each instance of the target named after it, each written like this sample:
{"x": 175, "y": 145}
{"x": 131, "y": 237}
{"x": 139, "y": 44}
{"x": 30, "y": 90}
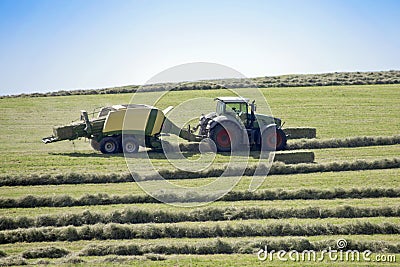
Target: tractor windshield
{"x": 235, "y": 109}
{"x": 231, "y": 107}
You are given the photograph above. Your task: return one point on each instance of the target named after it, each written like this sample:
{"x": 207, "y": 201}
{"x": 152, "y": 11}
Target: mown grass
{"x": 266, "y": 227}
{"x": 348, "y": 154}
{"x": 195, "y": 198}
{"x": 137, "y": 216}
{"x": 248, "y": 259}
{"x": 356, "y": 141}
{"x": 276, "y": 204}
{"x": 223, "y": 260}
{"x": 90, "y": 162}
{"x": 278, "y": 168}
{"x": 221, "y": 246}
{"x": 336, "y": 112}
{"x": 76, "y": 246}
{"x": 368, "y": 178}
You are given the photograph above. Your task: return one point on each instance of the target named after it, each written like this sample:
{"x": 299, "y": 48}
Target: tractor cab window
{"x": 237, "y": 109}
{"x": 220, "y": 108}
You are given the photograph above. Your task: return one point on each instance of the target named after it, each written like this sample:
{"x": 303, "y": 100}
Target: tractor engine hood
{"x": 265, "y": 120}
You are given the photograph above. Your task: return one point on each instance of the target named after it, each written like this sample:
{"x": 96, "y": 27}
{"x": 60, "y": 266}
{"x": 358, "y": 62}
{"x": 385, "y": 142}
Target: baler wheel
{"x": 109, "y": 145}
{"x": 130, "y": 145}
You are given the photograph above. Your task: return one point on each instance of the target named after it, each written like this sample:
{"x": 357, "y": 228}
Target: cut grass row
{"x": 222, "y": 247}
{"x": 138, "y": 215}
{"x": 158, "y": 259}
{"x": 30, "y": 201}
{"x": 344, "y": 142}
{"x": 200, "y": 230}
{"x": 280, "y": 168}
{"x": 277, "y": 204}
{"x": 276, "y": 169}
{"x": 76, "y": 246}
{"x": 385, "y": 178}
{"x": 29, "y": 163}
{"x": 36, "y": 162}
{"x": 219, "y": 246}
{"x": 222, "y": 260}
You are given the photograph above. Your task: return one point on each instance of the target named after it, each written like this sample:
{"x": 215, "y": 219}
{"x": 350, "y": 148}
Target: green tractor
{"x": 236, "y": 123}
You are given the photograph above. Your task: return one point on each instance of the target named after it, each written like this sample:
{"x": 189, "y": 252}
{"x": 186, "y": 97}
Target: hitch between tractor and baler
{"x": 185, "y": 133}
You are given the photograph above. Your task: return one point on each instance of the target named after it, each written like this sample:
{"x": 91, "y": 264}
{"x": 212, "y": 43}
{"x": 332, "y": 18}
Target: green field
{"x": 335, "y": 111}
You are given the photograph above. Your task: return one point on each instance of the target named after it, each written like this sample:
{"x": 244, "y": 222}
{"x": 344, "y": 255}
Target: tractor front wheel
{"x": 109, "y": 145}
{"x": 273, "y": 139}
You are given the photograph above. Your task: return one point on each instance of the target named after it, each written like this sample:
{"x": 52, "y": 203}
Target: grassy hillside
{"x": 292, "y": 80}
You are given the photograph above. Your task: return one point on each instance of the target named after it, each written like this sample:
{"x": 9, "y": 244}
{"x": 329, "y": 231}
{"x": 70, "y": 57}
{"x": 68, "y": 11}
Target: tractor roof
{"x": 232, "y": 99}
{"x": 130, "y": 106}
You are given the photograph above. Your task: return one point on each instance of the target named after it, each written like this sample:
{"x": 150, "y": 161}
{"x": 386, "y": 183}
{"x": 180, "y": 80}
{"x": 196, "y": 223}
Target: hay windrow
{"x": 278, "y": 168}
{"x": 32, "y": 201}
{"x": 241, "y": 247}
{"x": 138, "y": 215}
{"x": 155, "y": 231}
{"x": 359, "y": 141}
{"x": 45, "y": 252}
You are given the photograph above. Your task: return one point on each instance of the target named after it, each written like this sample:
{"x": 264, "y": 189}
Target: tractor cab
{"x": 238, "y": 107}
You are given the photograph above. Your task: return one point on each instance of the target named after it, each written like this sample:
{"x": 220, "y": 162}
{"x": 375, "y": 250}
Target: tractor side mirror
{"x": 253, "y": 106}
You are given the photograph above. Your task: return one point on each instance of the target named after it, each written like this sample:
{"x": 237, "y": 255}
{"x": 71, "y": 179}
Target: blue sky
{"x": 50, "y": 45}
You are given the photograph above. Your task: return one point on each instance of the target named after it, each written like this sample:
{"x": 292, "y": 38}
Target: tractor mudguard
{"x": 269, "y": 126}
{"x": 220, "y": 119}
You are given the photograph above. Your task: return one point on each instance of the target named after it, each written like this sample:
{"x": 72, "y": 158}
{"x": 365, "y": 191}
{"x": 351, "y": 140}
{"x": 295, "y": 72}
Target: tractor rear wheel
{"x": 226, "y": 137}
{"x": 130, "y": 145}
{"x": 273, "y": 139}
{"x": 109, "y": 145}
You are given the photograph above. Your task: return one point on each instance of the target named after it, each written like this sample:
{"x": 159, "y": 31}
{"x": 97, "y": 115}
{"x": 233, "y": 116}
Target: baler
{"x": 143, "y": 128}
